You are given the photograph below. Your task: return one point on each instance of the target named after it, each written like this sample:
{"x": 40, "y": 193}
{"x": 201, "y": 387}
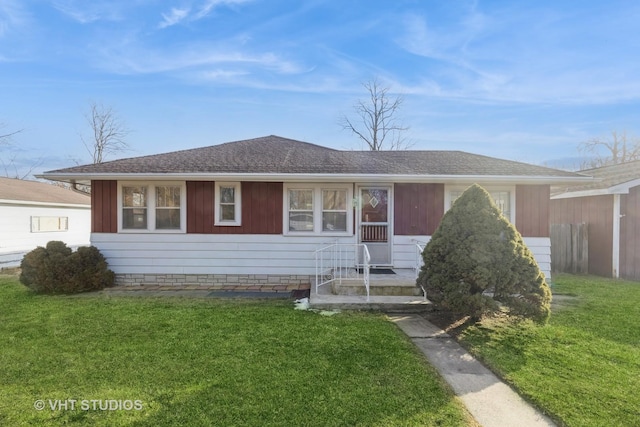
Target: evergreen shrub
{"x": 477, "y": 263}
{"x": 56, "y": 269}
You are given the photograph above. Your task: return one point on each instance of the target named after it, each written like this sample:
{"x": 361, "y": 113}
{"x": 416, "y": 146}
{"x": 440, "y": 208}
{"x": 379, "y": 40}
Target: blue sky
{"x": 525, "y": 80}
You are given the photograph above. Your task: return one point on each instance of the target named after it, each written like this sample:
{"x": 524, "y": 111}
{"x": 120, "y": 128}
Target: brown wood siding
{"x": 261, "y": 208}
{"x": 630, "y": 235}
{"x": 597, "y": 213}
{"x": 104, "y": 206}
{"x": 532, "y": 210}
{"x": 418, "y": 208}
{"x": 200, "y": 206}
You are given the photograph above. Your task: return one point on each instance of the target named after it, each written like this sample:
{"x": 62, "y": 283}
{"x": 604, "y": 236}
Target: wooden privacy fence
{"x": 570, "y": 248}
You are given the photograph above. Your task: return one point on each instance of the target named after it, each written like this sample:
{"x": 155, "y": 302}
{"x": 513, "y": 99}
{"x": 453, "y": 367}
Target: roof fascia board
{"x": 623, "y": 188}
{"x": 462, "y": 179}
{"x": 46, "y": 204}
{"x": 615, "y": 189}
{"x": 583, "y": 193}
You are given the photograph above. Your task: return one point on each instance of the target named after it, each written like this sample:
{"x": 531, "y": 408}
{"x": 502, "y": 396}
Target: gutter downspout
{"x": 615, "y": 253}
{"x": 74, "y": 187}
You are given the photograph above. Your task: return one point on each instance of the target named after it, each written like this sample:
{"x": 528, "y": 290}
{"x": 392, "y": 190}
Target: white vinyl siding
{"x": 18, "y": 237}
{"x": 210, "y": 253}
{"x": 404, "y": 251}
{"x": 248, "y": 253}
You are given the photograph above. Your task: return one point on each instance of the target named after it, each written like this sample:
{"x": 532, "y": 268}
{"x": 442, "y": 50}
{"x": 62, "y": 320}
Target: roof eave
{"x": 622, "y": 188}
{"x": 83, "y": 178}
{"x": 46, "y": 204}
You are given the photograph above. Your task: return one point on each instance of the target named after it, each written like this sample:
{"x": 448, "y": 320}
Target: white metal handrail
{"x": 365, "y": 267}
{"x": 343, "y": 261}
{"x": 419, "y": 263}
{"x": 419, "y": 260}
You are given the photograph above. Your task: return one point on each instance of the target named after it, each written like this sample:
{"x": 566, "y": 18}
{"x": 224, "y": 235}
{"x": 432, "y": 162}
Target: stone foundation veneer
{"x": 252, "y": 282}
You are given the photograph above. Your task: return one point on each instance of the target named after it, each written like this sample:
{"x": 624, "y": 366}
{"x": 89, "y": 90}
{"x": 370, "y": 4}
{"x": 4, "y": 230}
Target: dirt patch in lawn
{"x": 561, "y": 301}
{"x": 454, "y": 324}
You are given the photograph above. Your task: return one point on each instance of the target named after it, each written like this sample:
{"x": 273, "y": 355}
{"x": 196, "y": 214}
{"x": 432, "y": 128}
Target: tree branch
{"x": 377, "y": 119}
{"x": 602, "y": 151}
{"x": 109, "y": 133}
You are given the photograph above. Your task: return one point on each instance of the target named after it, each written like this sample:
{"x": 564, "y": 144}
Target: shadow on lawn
{"x": 203, "y": 406}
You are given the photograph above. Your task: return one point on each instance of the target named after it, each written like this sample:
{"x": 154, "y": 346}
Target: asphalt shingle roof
{"x": 606, "y": 177}
{"x": 274, "y": 154}
{"x": 34, "y": 191}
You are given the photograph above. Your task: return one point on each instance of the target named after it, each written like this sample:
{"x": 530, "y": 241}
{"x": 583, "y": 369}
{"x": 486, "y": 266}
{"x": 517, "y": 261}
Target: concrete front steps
{"x": 376, "y": 288}
{"x": 393, "y": 292}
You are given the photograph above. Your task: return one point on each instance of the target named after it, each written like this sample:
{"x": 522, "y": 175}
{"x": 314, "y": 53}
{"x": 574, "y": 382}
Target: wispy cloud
{"x": 173, "y": 17}
{"x": 222, "y": 75}
{"x": 12, "y": 16}
{"x": 77, "y": 14}
{"x": 87, "y": 12}
{"x": 128, "y": 59}
{"x": 519, "y": 55}
{"x": 195, "y": 12}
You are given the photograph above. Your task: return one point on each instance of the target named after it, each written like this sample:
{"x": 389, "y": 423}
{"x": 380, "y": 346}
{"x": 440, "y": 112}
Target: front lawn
{"x": 173, "y": 361}
{"x": 584, "y": 366}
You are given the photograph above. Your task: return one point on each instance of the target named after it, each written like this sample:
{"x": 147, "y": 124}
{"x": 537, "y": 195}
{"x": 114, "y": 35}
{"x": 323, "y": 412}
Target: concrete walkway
{"x": 491, "y": 402}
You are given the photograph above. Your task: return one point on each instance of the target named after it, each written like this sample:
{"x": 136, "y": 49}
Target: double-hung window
{"x": 152, "y": 207}
{"x": 168, "y": 207}
{"x": 134, "y": 207}
{"x": 228, "y": 204}
{"x": 317, "y": 209}
{"x": 301, "y": 209}
{"x": 501, "y": 197}
{"x": 334, "y": 210}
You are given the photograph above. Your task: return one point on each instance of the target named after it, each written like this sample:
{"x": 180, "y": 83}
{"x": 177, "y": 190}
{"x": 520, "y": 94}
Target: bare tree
{"x": 11, "y": 168}
{"x": 108, "y": 132}
{"x": 10, "y": 165}
{"x": 5, "y": 138}
{"x": 376, "y": 123}
{"x": 610, "y": 151}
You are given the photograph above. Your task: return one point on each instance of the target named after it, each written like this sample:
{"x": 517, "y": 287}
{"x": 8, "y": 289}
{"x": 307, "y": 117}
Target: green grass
{"x": 209, "y": 362}
{"x": 584, "y": 366}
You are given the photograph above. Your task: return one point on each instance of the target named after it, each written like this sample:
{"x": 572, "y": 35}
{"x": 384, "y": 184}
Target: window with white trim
{"x": 501, "y": 197}
{"x": 168, "y": 207}
{"x": 334, "y": 210}
{"x": 134, "y": 208}
{"x": 152, "y": 207}
{"x": 318, "y": 209}
{"x": 301, "y": 210}
{"x": 227, "y": 204}
{"x": 43, "y": 224}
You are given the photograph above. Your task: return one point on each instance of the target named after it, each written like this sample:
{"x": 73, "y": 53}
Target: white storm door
{"x": 374, "y": 223}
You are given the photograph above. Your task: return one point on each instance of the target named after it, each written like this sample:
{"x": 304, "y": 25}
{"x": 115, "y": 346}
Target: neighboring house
{"x": 33, "y": 213}
{"x": 256, "y": 210}
{"x": 610, "y": 207}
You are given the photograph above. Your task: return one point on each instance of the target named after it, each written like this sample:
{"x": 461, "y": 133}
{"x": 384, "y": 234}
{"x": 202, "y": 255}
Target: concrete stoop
{"x": 381, "y": 288}
{"x": 388, "y": 304}
{"x": 389, "y": 293}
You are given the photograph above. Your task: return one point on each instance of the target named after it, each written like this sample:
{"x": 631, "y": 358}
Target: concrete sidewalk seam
{"x": 489, "y": 400}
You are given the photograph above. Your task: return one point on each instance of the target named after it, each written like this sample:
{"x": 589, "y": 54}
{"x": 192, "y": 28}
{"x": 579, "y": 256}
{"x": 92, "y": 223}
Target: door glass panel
{"x": 374, "y": 205}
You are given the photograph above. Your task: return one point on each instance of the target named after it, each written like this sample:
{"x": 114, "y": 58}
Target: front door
{"x": 374, "y": 227}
